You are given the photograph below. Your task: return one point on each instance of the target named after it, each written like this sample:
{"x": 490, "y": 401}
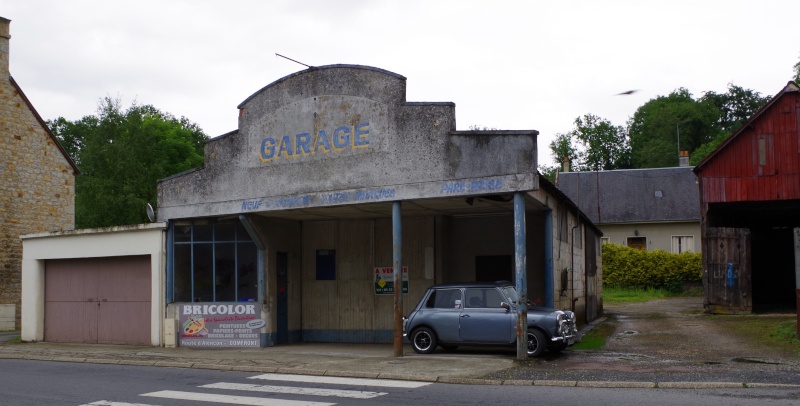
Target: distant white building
{"x": 652, "y": 209}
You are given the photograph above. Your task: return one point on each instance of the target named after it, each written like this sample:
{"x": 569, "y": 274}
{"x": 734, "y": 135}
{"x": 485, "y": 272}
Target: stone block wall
{"x": 37, "y": 180}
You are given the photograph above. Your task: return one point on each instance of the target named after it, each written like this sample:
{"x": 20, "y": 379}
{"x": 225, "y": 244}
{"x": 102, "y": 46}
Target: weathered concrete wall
{"x": 347, "y": 308}
{"x": 36, "y": 179}
{"x": 341, "y": 135}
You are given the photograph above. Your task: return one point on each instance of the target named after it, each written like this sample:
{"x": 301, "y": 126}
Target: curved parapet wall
{"x": 344, "y": 134}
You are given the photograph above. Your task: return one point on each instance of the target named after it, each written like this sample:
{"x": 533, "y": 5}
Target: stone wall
{"x": 37, "y": 180}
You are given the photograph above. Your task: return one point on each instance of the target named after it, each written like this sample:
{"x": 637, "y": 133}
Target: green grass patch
{"x": 785, "y": 332}
{"x": 613, "y": 295}
{"x": 595, "y": 338}
{"x": 778, "y": 332}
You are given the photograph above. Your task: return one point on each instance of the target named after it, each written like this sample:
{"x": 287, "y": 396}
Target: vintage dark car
{"x": 477, "y": 313}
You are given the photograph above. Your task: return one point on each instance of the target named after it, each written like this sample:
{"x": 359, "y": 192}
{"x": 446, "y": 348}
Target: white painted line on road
{"x": 386, "y": 383}
{"x": 231, "y": 400}
{"x": 295, "y": 390}
{"x": 110, "y": 403}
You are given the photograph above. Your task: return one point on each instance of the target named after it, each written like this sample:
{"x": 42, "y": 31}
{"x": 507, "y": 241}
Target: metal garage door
{"x": 98, "y": 300}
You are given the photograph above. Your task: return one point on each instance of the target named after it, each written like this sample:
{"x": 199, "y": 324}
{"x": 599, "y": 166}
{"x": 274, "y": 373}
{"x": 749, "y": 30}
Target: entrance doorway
{"x": 282, "y": 268}
{"x": 491, "y": 268}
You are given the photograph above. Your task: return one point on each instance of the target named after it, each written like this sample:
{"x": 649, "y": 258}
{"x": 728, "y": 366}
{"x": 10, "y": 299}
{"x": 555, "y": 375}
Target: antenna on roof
{"x": 301, "y": 63}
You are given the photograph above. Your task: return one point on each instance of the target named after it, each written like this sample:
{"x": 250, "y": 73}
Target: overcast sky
{"x": 514, "y": 65}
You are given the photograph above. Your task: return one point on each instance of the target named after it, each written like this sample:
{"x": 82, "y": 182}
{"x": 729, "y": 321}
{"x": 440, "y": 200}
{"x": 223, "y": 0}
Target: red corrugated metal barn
{"x": 750, "y": 208}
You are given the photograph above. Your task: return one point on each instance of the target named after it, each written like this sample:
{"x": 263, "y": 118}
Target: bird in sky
{"x": 628, "y": 93}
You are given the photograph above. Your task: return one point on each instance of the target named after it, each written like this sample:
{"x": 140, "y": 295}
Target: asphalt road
{"x": 52, "y": 383}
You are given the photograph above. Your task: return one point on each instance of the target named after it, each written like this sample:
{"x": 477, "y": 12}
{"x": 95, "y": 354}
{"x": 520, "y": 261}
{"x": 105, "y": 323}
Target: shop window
{"x": 213, "y": 261}
{"x": 682, "y": 243}
{"x": 639, "y": 243}
{"x": 326, "y": 265}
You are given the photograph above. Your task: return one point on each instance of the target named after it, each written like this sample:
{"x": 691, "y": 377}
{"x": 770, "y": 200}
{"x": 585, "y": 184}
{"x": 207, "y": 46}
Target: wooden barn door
{"x": 727, "y": 271}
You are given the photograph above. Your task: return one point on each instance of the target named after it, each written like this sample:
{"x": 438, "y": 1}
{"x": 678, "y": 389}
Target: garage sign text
{"x": 304, "y": 144}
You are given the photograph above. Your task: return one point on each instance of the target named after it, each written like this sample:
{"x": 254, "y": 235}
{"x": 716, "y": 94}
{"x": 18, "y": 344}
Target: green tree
{"x": 593, "y": 144}
{"x": 562, "y": 148}
{"x": 660, "y": 125}
{"x": 549, "y": 172}
{"x": 735, "y": 106}
{"x": 121, "y": 156}
{"x": 797, "y": 72}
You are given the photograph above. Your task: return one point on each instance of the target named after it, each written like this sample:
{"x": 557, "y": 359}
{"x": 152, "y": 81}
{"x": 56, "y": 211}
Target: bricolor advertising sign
{"x": 219, "y": 325}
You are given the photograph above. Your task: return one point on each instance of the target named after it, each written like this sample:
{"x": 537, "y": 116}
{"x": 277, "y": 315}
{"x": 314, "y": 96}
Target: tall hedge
{"x": 632, "y": 268}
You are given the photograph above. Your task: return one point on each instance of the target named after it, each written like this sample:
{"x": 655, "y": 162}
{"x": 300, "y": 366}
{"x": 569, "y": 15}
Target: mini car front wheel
{"x": 536, "y": 343}
{"x": 423, "y": 340}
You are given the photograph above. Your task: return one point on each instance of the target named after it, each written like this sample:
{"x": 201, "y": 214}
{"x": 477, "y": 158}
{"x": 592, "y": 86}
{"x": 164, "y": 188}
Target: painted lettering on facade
{"x": 472, "y": 186}
{"x": 358, "y": 196}
{"x": 306, "y": 144}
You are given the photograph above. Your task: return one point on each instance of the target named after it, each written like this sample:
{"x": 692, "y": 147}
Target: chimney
{"x": 683, "y": 159}
{"x": 5, "y": 36}
{"x": 565, "y": 165}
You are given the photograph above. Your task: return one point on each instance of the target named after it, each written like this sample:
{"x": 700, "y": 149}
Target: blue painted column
{"x": 520, "y": 270}
{"x": 397, "y": 260}
{"x": 171, "y": 262}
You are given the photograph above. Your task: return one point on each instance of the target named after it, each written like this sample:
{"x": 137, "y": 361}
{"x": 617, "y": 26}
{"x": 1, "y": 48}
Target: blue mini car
{"x": 478, "y": 313}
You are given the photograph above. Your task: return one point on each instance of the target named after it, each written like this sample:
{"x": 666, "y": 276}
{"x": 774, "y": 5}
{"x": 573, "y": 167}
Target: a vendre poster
{"x": 219, "y": 325}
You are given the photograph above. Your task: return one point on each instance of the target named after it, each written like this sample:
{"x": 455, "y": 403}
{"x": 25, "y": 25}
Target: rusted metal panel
{"x": 98, "y": 300}
{"x": 727, "y": 271}
{"x": 762, "y": 162}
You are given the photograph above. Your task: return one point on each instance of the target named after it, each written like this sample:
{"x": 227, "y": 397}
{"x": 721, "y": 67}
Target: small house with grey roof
{"x": 652, "y": 209}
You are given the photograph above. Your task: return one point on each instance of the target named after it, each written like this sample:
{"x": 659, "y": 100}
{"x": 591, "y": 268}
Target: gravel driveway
{"x": 669, "y": 340}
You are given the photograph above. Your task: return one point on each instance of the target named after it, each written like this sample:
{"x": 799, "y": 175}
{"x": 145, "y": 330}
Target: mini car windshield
{"x": 510, "y": 293}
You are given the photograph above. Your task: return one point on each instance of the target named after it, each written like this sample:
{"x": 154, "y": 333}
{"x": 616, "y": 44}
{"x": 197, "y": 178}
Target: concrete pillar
{"x": 520, "y": 269}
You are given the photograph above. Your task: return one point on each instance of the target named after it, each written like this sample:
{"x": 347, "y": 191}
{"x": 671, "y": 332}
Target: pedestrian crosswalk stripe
{"x": 295, "y": 390}
{"x": 231, "y": 400}
{"x": 386, "y": 383}
{"x": 110, "y": 403}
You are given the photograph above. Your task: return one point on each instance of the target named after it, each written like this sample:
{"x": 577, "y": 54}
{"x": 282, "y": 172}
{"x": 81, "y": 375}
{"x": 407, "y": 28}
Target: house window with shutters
{"x": 682, "y": 243}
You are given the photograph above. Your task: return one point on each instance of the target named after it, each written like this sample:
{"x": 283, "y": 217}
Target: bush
{"x": 632, "y": 268}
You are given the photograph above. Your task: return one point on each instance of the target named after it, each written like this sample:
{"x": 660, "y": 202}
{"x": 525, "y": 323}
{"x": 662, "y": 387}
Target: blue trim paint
{"x": 549, "y": 277}
{"x": 170, "y": 259}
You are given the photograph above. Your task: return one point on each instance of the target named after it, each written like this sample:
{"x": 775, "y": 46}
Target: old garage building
{"x": 291, "y": 229}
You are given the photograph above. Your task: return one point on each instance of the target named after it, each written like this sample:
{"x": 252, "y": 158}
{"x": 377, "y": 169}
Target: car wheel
{"x": 449, "y": 347}
{"x": 536, "y": 343}
{"x": 423, "y": 340}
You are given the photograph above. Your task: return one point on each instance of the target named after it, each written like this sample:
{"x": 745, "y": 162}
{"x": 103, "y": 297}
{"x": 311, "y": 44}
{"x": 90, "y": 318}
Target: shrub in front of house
{"x": 626, "y": 267}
